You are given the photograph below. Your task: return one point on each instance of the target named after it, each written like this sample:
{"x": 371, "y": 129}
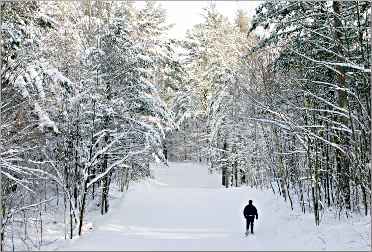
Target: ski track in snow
{"x": 185, "y": 208}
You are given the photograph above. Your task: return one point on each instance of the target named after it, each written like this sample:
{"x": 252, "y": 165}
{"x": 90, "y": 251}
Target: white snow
{"x": 38, "y": 83}
{"x": 185, "y": 208}
{"x": 22, "y": 85}
{"x": 44, "y": 120}
{"x": 56, "y": 75}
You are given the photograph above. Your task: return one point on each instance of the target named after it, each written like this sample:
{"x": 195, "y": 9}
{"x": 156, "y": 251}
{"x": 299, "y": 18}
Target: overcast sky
{"x": 185, "y": 14}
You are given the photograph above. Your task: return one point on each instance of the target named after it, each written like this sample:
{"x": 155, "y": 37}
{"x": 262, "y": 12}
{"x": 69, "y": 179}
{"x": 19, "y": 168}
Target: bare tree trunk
{"x": 343, "y": 164}
{"x": 41, "y": 228}
{"x": 82, "y": 208}
{"x": 71, "y": 222}
{"x": 64, "y": 217}
{"x": 2, "y": 232}
{"x": 1, "y": 103}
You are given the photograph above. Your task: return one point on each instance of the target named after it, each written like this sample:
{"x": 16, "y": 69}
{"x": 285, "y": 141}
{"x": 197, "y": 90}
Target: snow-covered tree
{"x": 323, "y": 52}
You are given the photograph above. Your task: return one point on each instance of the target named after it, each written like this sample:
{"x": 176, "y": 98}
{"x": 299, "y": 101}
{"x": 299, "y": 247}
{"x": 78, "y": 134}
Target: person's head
{"x": 250, "y": 202}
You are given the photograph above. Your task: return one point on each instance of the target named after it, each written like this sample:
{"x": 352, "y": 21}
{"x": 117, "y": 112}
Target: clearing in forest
{"x": 185, "y": 208}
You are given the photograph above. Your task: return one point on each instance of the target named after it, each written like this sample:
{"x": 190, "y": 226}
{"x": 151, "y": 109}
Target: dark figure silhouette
{"x": 250, "y": 211}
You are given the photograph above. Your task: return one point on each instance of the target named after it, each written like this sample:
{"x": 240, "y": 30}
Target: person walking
{"x": 250, "y": 211}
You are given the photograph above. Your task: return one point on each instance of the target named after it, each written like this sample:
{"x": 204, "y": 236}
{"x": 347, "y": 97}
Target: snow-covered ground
{"x": 185, "y": 208}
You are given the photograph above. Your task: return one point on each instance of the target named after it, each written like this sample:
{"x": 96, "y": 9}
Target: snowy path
{"x": 187, "y": 209}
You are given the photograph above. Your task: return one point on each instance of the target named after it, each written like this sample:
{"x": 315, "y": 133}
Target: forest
{"x": 94, "y": 91}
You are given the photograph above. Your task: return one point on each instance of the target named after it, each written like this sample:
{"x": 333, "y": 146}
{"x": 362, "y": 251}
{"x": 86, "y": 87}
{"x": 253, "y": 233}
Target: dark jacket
{"x": 250, "y": 210}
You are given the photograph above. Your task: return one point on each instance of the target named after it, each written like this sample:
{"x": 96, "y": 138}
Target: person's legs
{"x": 247, "y": 226}
{"x": 251, "y": 220}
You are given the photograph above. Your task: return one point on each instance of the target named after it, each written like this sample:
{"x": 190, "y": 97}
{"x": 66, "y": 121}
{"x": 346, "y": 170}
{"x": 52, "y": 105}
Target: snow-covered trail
{"x": 185, "y": 208}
